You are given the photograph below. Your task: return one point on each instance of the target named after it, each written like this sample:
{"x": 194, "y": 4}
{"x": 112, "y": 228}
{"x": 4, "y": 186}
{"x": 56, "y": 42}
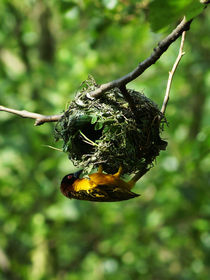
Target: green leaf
{"x": 99, "y": 125}
{"x": 94, "y": 119}
{"x": 82, "y": 120}
{"x": 164, "y": 13}
{"x": 195, "y": 9}
{"x": 106, "y": 129}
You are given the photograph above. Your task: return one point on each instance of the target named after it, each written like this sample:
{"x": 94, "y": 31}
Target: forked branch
{"x": 158, "y": 51}
{"x": 120, "y": 83}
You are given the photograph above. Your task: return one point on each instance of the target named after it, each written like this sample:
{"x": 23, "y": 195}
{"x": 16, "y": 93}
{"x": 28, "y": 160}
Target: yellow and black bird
{"x": 98, "y": 187}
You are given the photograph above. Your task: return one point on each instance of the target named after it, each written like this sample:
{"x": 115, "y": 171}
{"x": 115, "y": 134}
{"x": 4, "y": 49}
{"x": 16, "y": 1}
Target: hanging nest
{"x": 105, "y": 131}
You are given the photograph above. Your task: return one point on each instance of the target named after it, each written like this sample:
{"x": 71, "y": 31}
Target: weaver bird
{"x": 98, "y": 187}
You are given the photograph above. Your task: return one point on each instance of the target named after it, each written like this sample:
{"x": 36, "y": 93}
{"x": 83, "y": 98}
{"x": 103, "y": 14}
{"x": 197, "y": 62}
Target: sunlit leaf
{"x": 167, "y": 13}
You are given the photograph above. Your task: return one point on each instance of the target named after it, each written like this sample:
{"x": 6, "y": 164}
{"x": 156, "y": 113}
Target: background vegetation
{"x": 47, "y": 48}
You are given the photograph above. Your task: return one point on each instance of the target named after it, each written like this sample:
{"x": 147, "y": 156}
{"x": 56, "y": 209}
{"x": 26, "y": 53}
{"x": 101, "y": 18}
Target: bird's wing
{"x": 103, "y": 193}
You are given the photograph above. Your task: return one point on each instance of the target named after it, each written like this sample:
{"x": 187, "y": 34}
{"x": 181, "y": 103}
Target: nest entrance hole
{"x": 85, "y": 140}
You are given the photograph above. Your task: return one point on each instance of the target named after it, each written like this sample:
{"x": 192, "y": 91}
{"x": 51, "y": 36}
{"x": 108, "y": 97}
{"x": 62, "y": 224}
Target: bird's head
{"x": 68, "y": 180}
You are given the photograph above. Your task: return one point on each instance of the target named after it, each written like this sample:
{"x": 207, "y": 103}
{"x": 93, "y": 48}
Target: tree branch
{"x": 205, "y": 1}
{"x": 40, "y": 119}
{"x": 171, "y": 74}
{"x": 158, "y": 51}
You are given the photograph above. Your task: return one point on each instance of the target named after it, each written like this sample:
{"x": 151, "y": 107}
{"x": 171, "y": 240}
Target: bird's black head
{"x": 68, "y": 180}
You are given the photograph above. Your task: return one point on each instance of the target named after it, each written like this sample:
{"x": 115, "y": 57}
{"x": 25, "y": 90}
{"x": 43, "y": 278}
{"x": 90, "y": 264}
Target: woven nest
{"x": 105, "y": 131}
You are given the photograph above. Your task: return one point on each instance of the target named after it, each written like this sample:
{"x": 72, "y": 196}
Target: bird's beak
{"x": 77, "y": 174}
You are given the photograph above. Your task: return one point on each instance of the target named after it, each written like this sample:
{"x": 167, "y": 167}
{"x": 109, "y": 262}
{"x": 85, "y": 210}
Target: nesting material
{"x": 106, "y": 131}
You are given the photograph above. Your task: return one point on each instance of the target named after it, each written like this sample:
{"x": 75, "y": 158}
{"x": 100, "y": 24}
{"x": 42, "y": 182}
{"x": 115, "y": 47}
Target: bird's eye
{"x": 69, "y": 177}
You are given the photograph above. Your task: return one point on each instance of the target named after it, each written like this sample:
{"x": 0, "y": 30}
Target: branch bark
{"x": 39, "y": 119}
{"x": 158, "y": 51}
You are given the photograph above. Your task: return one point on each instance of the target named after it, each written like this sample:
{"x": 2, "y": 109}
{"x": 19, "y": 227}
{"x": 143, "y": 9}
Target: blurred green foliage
{"x": 47, "y": 48}
{"x": 164, "y": 13}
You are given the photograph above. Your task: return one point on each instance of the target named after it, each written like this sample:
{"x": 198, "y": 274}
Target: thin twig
{"x": 53, "y": 148}
{"x": 171, "y": 74}
{"x": 88, "y": 141}
{"x": 40, "y": 119}
{"x": 158, "y": 51}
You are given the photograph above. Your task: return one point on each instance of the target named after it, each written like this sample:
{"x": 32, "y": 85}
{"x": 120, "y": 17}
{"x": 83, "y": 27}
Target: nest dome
{"x": 105, "y": 131}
